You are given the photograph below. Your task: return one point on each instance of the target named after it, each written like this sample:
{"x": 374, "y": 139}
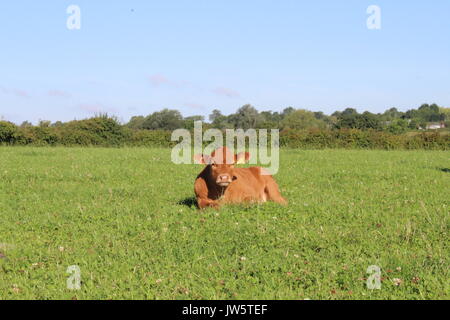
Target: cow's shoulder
{"x": 259, "y": 171}
{"x": 256, "y": 171}
{"x": 251, "y": 173}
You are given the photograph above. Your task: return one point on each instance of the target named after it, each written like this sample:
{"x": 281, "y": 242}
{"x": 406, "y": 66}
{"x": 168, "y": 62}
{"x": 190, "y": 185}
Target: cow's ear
{"x": 242, "y": 157}
{"x": 199, "y": 159}
{"x": 202, "y": 159}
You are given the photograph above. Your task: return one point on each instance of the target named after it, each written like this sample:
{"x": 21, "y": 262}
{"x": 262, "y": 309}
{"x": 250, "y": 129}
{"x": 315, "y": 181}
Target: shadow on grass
{"x": 447, "y": 170}
{"x": 190, "y": 202}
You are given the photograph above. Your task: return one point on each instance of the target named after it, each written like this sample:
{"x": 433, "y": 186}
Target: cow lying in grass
{"x": 221, "y": 183}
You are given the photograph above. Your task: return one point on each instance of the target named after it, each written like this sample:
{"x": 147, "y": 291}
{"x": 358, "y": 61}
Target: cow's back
{"x": 249, "y": 186}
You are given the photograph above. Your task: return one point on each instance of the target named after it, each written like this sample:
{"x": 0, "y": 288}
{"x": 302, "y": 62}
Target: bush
{"x": 151, "y": 138}
{"x": 98, "y": 131}
{"x": 429, "y": 141}
{"x": 108, "y": 132}
{"x": 8, "y": 132}
{"x": 359, "y": 139}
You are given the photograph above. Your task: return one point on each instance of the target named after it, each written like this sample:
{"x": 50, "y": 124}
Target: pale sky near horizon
{"x": 135, "y": 57}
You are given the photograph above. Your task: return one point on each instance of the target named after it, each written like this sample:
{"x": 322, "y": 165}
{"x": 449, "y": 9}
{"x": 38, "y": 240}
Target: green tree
{"x": 287, "y": 111}
{"x": 445, "y": 112}
{"x": 136, "y": 122}
{"x": 398, "y": 126}
{"x": 246, "y": 117}
{"x": 391, "y": 114}
{"x": 353, "y": 120}
{"x": 26, "y": 124}
{"x": 269, "y": 120}
{"x": 165, "y": 119}
{"x": 8, "y": 132}
{"x": 218, "y": 120}
{"x": 446, "y": 115}
{"x": 44, "y": 123}
{"x": 349, "y": 111}
{"x": 188, "y": 122}
{"x": 413, "y": 124}
{"x": 302, "y": 119}
{"x": 426, "y": 113}
{"x": 57, "y": 124}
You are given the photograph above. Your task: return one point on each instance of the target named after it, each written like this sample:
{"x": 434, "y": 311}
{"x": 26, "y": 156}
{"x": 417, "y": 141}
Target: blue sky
{"x": 135, "y": 57}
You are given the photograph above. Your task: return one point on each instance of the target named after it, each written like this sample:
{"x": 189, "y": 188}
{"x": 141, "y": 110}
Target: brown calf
{"x": 221, "y": 183}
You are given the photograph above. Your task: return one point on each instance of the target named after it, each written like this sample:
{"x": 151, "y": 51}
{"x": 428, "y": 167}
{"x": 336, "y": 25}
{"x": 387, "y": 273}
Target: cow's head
{"x": 221, "y": 163}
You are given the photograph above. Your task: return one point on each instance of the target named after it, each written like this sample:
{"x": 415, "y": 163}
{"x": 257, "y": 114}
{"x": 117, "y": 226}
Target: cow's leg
{"x": 201, "y": 192}
{"x": 272, "y": 192}
{"x": 204, "y": 203}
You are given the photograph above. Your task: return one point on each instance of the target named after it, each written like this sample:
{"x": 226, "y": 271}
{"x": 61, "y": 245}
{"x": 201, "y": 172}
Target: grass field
{"x": 126, "y": 218}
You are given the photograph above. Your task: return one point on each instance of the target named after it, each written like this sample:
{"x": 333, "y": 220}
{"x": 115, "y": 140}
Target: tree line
{"x": 299, "y": 128}
{"x": 392, "y": 120}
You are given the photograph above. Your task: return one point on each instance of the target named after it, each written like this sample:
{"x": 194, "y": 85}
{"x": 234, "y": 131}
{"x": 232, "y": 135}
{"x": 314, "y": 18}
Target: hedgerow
{"x": 108, "y": 132}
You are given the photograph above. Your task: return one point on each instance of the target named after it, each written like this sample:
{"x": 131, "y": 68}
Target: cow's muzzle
{"x": 223, "y": 180}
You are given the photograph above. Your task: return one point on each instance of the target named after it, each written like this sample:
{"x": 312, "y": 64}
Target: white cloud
{"x": 59, "y": 93}
{"x": 226, "y": 92}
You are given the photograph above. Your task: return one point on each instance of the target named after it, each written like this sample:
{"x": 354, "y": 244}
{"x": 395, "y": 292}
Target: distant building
{"x": 435, "y": 126}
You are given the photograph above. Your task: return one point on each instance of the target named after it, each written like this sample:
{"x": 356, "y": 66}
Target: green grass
{"x": 124, "y": 217}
